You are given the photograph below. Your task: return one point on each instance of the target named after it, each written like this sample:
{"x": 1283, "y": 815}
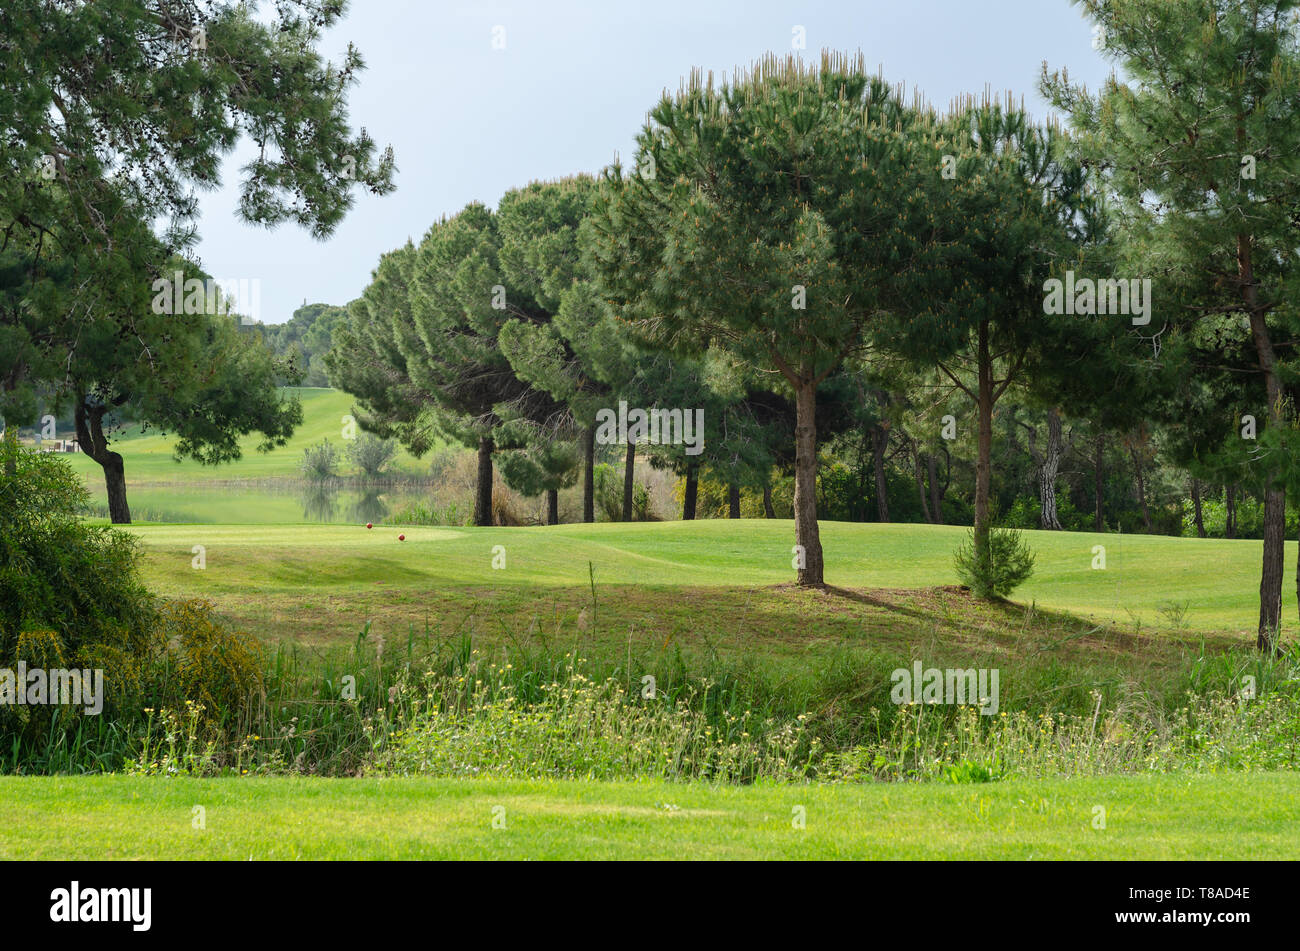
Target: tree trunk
{"x": 552, "y": 506}
{"x": 806, "y": 533}
{"x": 1048, "y": 517}
{"x": 90, "y": 436}
{"x": 918, "y": 474}
{"x": 733, "y": 501}
{"x": 768, "y": 511}
{"x": 984, "y": 444}
{"x": 1198, "y": 511}
{"x": 879, "y": 442}
{"x": 1230, "y": 517}
{"x": 936, "y": 494}
{"x": 1139, "y": 474}
{"x": 589, "y": 474}
{"x": 692, "y": 491}
{"x": 629, "y": 469}
{"x": 1270, "y": 579}
{"x": 1099, "y": 523}
{"x": 119, "y": 513}
{"x": 483, "y": 488}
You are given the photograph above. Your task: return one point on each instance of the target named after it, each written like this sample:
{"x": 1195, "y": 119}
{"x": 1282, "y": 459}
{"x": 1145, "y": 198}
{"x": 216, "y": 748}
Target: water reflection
{"x": 369, "y": 507}
{"x": 246, "y": 504}
{"x": 319, "y": 502}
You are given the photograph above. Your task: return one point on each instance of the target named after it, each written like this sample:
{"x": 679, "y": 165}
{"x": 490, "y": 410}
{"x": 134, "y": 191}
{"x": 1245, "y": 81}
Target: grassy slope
{"x": 148, "y": 456}
{"x": 324, "y": 582}
{"x": 1150, "y": 817}
{"x": 718, "y": 581}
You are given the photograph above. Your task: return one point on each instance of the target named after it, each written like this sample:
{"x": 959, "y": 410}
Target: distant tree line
{"x": 301, "y": 342}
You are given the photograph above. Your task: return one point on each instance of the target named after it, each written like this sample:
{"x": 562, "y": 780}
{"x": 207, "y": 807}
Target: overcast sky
{"x": 571, "y": 89}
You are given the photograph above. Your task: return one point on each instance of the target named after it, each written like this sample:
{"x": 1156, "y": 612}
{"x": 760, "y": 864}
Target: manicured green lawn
{"x": 323, "y": 582}
{"x": 1238, "y": 816}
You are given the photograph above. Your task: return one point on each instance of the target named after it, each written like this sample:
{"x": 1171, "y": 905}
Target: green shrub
{"x": 713, "y": 500}
{"x": 641, "y": 503}
{"x": 71, "y": 597}
{"x": 421, "y": 513}
{"x": 204, "y": 661}
{"x": 1024, "y": 513}
{"x": 371, "y": 455}
{"x": 608, "y": 495}
{"x": 608, "y": 492}
{"x": 997, "y": 570}
{"x": 320, "y": 462}
{"x": 1214, "y": 513}
{"x": 848, "y": 493}
{"x": 70, "y": 593}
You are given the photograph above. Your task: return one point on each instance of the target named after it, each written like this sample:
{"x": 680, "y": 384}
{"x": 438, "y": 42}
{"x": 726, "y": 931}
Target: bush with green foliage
{"x": 608, "y": 492}
{"x": 848, "y": 494}
{"x": 995, "y": 571}
{"x": 1023, "y": 513}
{"x": 1026, "y": 512}
{"x": 71, "y": 597}
{"x": 205, "y": 662}
{"x": 1166, "y": 520}
{"x": 371, "y": 454}
{"x": 1214, "y": 513}
{"x": 69, "y": 592}
{"x": 320, "y": 462}
{"x": 712, "y": 498}
{"x": 608, "y": 495}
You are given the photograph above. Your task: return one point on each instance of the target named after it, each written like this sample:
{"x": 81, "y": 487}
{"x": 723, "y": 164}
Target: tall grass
{"x": 430, "y": 701}
{"x": 429, "y": 513}
{"x": 1208, "y": 734}
{"x": 472, "y": 725}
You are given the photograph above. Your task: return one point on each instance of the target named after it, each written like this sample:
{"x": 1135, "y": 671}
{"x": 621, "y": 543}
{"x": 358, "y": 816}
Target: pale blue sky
{"x": 572, "y": 87}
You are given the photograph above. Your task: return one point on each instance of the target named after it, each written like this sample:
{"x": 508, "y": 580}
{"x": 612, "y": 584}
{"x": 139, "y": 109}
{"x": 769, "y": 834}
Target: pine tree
{"x": 115, "y": 114}
{"x": 422, "y": 355}
{"x": 1202, "y": 153}
{"x": 196, "y": 376}
{"x": 568, "y": 346}
{"x": 770, "y": 217}
{"x": 1003, "y": 217}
